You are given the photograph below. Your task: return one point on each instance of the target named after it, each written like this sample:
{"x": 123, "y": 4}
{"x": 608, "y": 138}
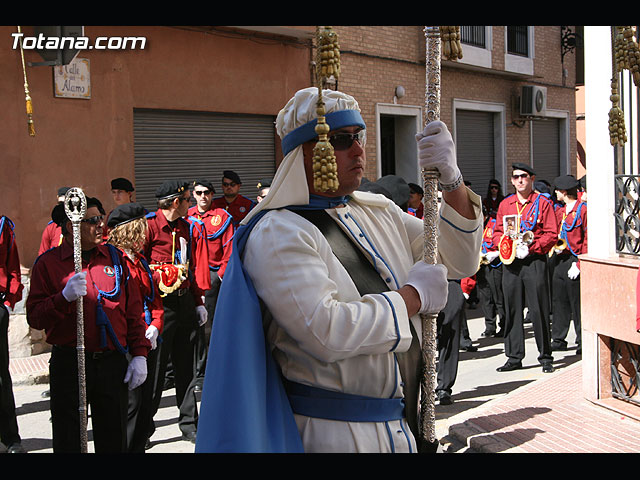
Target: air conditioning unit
{"x": 533, "y": 101}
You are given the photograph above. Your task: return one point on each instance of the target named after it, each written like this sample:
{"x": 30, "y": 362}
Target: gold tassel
{"x": 325, "y": 168}
{"x": 617, "y": 129}
{"x": 451, "y": 46}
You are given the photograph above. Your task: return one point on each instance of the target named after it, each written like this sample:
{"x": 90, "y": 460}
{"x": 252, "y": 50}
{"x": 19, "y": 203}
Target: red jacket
{"x": 545, "y": 230}
{"x": 48, "y": 310}
{"x": 576, "y": 228}
{"x": 219, "y": 227}
{"x": 10, "y": 277}
{"x": 51, "y": 237}
{"x": 159, "y": 245}
{"x": 149, "y": 292}
{"x": 238, "y": 208}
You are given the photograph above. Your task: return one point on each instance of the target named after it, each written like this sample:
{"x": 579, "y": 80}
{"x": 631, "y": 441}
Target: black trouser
{"x": 566, "y": 301}
{"x": 8, "y": 421}
{"x": 178, "y": 341}
{"x": 449, "y": 327}
{"x": 526, "y": 281}
{"x": 140, "y": 413}
{"x": 489, "y": 284}
{"x": 204, "y": 332}
{"x": 106, "y": 400}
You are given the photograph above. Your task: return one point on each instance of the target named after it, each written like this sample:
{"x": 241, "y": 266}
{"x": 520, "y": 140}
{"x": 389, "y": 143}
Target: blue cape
{"x": 244, "y": 407}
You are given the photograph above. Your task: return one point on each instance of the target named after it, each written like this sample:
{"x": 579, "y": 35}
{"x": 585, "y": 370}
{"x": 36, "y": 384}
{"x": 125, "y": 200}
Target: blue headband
{"x": 306, "y": 132}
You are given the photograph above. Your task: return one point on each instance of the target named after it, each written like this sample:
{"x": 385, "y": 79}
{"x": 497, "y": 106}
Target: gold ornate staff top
{"x": 325, "y": 169}
{"x": 30, "y": 125}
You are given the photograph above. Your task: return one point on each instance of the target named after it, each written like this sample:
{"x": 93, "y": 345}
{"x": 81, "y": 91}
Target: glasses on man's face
{"x": 521, "y": 175}
{"x": 229, "y": 184}
{"x": 93, "y": 220}
{"x": 494, "y": 187}
{"x": 198, "y": 193}
{"x": 344, "y": 141}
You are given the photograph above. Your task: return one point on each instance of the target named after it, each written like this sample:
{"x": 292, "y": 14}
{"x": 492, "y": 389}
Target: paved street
{"x": 477, "y": 383}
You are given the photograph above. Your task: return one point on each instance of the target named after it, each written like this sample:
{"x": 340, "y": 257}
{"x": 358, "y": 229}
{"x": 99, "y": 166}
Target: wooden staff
{"x": 75, "y": 206}
{"x": 434, "y": 35}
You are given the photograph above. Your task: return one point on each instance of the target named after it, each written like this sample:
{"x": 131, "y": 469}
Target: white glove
{"x": 431, "y": 283}
{"x": 491, "y": 256}
{"x": 574, "y": 271}
{"x": 151, "y": 334}
{"x": 76, "y": 287}
{"x": 437, "y": 150}
{"x": 522, "y": 251}
{"x": 201, "y": 311}
{"x": 136, "y": 372}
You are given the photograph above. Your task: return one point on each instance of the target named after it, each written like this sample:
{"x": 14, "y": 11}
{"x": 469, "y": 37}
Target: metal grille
{"x": 518, "y": 40}
{"x": 625, "y": 374}
{"x": 473, "y": 35}
{"x": 627, "y": 172}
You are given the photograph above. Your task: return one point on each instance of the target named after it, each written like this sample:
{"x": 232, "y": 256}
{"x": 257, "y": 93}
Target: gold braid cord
{"x": 450, "y": 39}
{"x": 29, "y": 104}
{"x": 325, "y": 169}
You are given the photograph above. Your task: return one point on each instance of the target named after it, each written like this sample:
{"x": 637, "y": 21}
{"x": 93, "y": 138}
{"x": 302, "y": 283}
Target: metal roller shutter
{"x": 189, "y": 145}
{"x": 475, "y": 148}
{"x": 546, "y": 149}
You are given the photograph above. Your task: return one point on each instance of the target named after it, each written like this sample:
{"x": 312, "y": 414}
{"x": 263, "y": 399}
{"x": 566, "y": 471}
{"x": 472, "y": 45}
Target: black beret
{"x": 63, "y": 190}
{"x": 231, "y": 175}
{"x": 171, "y": 188}
{"x": 414, "y": 188}
{"x": 204, "y": 183}
{"x": 263, "y": 183}
{"x": 125, "y": 213}
{"x": 122, "y": 184}
{"x": 374, "y": 187}
{"x": 59, "y": 216}
{"x": 523, "y": 166}
{"x": 393, "y": 187}
{"x": 541, "y": 186}
{"x": 566, "y": 182}
{"x": 583, "y": 182}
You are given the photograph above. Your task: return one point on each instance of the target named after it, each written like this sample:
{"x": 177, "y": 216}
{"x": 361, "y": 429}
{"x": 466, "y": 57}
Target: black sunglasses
{"x": 344, "y": 141}
{"x": 522, "y": 175}
{"x": 201, "y": 192}
{"x": 93, "y": 220}
{"x": 231, "y": 184}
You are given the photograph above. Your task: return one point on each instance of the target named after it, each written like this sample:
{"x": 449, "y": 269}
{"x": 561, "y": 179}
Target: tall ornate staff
{"x": 29, "y": 103}
{"x": 75, "y": 206}
{"x": 434, "y": 50}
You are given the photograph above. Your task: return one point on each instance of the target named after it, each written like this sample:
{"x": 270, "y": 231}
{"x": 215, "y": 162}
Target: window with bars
{"x": 474, "y": 35}
{"x": 518, "y": 40}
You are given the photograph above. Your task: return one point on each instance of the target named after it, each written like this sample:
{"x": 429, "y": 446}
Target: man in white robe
{"x": 326, "y": 337}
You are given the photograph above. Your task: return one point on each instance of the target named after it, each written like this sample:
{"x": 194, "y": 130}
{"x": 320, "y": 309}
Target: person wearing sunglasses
{"x": 177, "y": 252}
{"x": 525, "y": 280}
{"x": 232, "y": 201}
{"x": 116, "y": 348}
{"x": 219, "y": 230}
{"x": 336, "y": 280}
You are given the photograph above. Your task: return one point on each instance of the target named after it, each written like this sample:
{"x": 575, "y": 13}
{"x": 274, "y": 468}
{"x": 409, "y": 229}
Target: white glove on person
{"x": 201, "y": 312}
{"x": 136, "y": 372}
{"x": 151, "y": 334}
{"x": 437, "y": 150}
{"x": 491, "y": 256}
{"x": 76, "y": 287}
{"x": 574, "y": 271}
{"x": 431, "y": 283}
{"x": 522, "y": 251}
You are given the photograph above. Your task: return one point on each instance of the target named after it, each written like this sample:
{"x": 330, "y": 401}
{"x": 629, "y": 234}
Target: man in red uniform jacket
{"x": 572, "y": 228}
{"x": 219, "y": 229}
{"x": 177, "y": 251}
{"x": 526, "y": 276}
{"x": 237, "y": 205}
{"x": 10, "y": 294}
{"x": 112, "y": 328}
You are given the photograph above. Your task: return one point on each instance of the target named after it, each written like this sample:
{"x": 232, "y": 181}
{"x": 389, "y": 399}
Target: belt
{"x": 319, "y": 403}
{"x": 89, "y": 355}
{"x": 178, "y": 293}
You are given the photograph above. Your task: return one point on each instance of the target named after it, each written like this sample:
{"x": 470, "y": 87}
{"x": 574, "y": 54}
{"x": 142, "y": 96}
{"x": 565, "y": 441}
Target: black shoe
{"x": 547, "y": 367}
{"x": 470, "y": 348}
{"x": 16, "y": 447}
{"x": 558, "y": 347}
{"x": 147, "y": 444}
{"x": 507, "y": 367}
{"x": 499, "y": 333}
{"x": 444, "y": 398}
{"x": 488, "y": 333}
{"x": 197, "y": 388}
{"x": 579, "y": 351}
{"x": 189, "y": 437}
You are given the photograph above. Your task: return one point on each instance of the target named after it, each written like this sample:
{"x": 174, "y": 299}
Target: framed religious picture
{"x": 510, "y": 225}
